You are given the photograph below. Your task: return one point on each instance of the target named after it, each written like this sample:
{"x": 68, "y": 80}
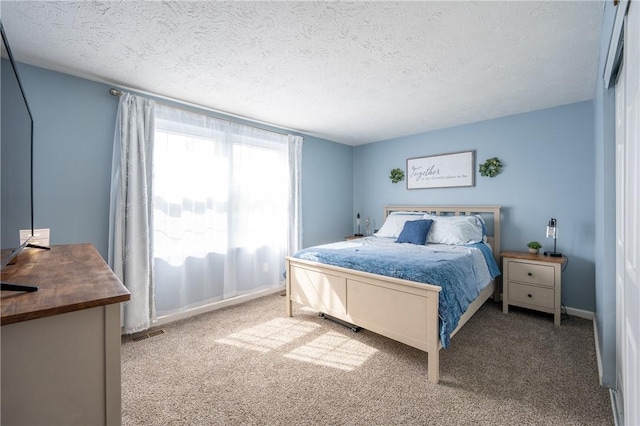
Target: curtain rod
{"x": 117, "y": 92}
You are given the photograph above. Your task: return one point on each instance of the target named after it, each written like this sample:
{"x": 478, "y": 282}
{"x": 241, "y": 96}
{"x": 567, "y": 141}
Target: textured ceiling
{"x": 353, "y": 72}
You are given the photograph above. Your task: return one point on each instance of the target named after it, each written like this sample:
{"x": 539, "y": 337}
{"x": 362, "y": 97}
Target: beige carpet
{"x": 252, "y": 365}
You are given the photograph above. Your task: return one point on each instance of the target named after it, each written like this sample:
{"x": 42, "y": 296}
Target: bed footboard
{"x": 398, "y": 309}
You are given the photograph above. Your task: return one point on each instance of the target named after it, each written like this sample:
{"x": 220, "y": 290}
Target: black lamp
{"x": 358, "y": 234}
{"x": 552, "y": 232}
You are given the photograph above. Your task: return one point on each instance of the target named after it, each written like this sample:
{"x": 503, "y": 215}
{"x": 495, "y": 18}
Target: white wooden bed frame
{"x": 399, "y": 309}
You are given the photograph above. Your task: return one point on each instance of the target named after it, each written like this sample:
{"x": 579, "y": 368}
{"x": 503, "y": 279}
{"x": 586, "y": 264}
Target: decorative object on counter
{"x": 534, "y": 247}
{"x": 491, "y": 168}
{"x": 552, "y": 232}
{"x": 396, "y": 175}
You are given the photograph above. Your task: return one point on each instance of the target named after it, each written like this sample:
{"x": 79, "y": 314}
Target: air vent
{"x": 146, "y": 334}
{"x": 156, "y": 332}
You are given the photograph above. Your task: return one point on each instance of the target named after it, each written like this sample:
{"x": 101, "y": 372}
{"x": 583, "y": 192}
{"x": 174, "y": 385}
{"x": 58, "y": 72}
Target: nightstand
{"x": 353, "y": 237}
{"x": 532, "y": 281}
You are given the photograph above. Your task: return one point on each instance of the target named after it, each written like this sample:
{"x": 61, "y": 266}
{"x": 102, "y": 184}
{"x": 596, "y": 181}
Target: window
{"x": 221, "y": 209}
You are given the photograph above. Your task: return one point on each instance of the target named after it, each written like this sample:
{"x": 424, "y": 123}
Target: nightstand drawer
{"x": 531, "y": 295}
{"x": 531, "y": 273}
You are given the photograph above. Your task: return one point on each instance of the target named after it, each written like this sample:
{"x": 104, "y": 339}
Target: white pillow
{"x": 454, "y": 229}
{"x": 394, "y": 223}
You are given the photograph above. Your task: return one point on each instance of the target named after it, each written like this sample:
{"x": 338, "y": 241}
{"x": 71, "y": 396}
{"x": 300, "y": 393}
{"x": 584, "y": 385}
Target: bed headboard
{"x": 490, "y": 214}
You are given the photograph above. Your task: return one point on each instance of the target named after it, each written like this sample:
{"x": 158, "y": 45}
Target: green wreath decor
{"x": 396, "y": 175}
{"x": 491, "y": 167}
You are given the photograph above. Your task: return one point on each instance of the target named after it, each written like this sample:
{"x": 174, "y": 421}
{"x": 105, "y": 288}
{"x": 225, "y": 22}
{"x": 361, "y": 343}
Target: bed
{"x": 395, "y": 307}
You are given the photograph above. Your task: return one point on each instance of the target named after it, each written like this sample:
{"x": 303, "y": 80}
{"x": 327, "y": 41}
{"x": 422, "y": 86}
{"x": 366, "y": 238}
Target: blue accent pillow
{"x": 415, "y": 231}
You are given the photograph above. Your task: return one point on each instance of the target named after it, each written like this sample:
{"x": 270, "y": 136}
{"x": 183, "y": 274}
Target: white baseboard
{"x": 616, "y": 405}
{"x": 598, "y": 355}
{"x": 580, "y": 313}
{"x": 216, "y": 305}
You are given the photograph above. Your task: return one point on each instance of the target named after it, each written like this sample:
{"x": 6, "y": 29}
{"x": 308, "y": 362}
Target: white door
{"x": 620, "y": 235}
{"x": 628, "y": 221}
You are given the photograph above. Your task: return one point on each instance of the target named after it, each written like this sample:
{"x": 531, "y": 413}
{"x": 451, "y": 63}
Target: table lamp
{"x": 358, "y": 234}
{"x": 552, "y": 232}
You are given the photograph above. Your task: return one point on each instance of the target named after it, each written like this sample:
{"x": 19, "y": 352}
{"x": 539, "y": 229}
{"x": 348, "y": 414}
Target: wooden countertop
{"x": 540, "y": 257}
{"x": 69, "y": 278}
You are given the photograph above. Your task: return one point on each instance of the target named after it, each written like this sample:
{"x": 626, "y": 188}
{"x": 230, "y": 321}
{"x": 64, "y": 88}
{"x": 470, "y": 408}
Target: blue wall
{"x": 327, "y": 191}
{"x": 605, "y": 210}
{"x": 548, "y": 158}
{"x": 74, "y": 123}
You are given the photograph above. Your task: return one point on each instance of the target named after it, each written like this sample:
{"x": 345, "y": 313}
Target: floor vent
{"x": 155, "y": 333}
{"x": 146, "y": 334}
{"x": 139, "y": 337}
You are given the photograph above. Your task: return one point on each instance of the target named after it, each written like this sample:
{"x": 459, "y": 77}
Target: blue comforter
{"x": 461, "y": 271}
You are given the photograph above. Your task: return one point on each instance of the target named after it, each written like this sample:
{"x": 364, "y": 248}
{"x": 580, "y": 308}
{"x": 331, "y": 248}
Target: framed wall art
{"x": 451, "y": 170}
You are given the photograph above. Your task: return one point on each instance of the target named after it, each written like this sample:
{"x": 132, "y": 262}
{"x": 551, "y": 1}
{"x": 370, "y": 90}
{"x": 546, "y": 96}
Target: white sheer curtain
{"x": 295, "y": 194}
{"x": 222, "y": 194}
{"x": 130, "y": 236}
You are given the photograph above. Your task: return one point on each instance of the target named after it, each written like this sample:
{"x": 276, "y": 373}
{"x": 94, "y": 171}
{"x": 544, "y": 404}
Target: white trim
{"x": 597, "y": 342}
{"x": 580, "y": 313}
{"x": 614, "y": 42}
{"x": 166, "y": 319}
{"x": 616, "y": 404}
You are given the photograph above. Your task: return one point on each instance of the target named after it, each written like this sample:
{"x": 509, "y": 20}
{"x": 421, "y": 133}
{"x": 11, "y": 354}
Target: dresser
{"x": 61, "y": 344}
{"x": 532, "y": 281}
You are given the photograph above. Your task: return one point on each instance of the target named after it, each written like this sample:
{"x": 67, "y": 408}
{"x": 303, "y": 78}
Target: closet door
{"x": 620, "y": 234}
{"x": 628, "y": 219}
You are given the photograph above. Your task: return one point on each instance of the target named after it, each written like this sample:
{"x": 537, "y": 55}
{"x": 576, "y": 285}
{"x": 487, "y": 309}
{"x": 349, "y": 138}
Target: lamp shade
{"x": 552, "y": 231}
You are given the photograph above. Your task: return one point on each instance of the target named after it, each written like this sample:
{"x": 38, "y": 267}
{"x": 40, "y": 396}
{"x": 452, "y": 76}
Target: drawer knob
{"x": 528, "y": 295}
{"x": 530, "y": 274}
